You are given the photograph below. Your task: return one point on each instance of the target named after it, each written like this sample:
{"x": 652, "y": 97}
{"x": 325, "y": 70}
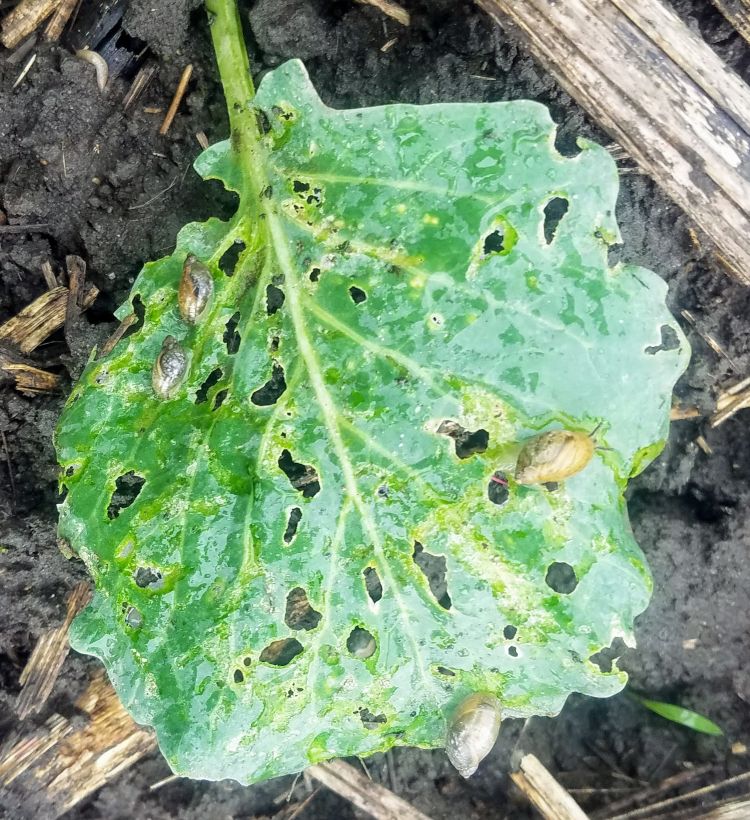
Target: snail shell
{"x": 473, "y": 731}
{"x": 169, "y": 369}
{"x": 553, "y": 456}
{"x": 196, "y": 287}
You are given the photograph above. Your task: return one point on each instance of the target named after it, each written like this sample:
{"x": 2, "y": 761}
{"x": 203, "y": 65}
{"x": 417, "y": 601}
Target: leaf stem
{"x": 234, "y": 71}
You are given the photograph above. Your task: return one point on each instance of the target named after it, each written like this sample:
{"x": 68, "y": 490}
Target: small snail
{"x": 554, "y": 456}
{"x": 196, "y": 287}
{"x": 473, "y": 731}
{"x": 169, "y": 369}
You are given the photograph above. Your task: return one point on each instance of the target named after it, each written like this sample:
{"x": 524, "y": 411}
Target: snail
{"x": 473, "y": 731}
{"x": 169, "y": 368}
{"x": 554, "y": 456}
{"x": 196, "y": 287}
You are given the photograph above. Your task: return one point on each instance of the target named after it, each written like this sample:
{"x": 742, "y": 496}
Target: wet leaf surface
{"x": 394, "y": 276}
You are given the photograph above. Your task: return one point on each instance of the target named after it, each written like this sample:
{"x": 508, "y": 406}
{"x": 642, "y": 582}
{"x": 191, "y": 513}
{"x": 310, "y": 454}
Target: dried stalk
{"x": 24, "y": 18}
{"x": 43, "y": 667}
{"x": 544, "y": 792}
{"x": 46, "y": 314}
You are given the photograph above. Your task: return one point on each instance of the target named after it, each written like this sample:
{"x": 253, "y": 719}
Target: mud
{"x": 115, "y": 192}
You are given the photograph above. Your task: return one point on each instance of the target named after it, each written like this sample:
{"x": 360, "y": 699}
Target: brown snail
{"x": 169, "y": 368}
{"x": 196, "y": 287}
{"x": 473, "y": 731}
{"x": 554, "y": 456}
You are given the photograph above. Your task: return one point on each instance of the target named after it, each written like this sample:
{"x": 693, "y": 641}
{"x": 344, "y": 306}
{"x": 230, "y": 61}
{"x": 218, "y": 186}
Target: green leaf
{"x": 395, "y": 326}
{"x": 678, "y": 714}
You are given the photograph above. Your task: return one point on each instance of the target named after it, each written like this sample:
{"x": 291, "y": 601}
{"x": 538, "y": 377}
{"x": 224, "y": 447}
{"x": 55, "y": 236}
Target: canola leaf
{"x": 310, "y": 551}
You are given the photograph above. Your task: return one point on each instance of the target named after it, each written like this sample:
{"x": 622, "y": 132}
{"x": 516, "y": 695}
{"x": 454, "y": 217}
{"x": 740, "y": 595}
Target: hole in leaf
{"x": 315, "y": 274}
{"x": 442, "y": 670}
{"x": 467, "y": 442}
{"x": 133, "y": 617}
{"x": 246, "y": 661}
{"x": 281, "y": 653}
{"x": 238, "y": 676}
{"x": 270, "y": 392}
{"x": 382, "y": 491}
{"x": 302, "y": 477}
{"x": 357, "y": 294}
{"x": 551, "y": 486}
{"x": 361, "y": 643}
{"x": 372, "y": 584}
{"x": 274, "y": 299}
{"x": 274, "y": 346}
{"x": 213, "y": 378}
{"x": 140, "y": 314}
{"x": 561, "y": 578}
{"x": 228, "y": 261}
{"x": 220, "y": 397}
{"x": 295, "y": 515}
{"x": 513, "y": 651}
{"x": 127, "y": 488}
{"x": 566, "y": 141}
{"x": 494, "y": 242}
{"x": 509, "y": 632}
{"x": 669, "y": 341}
{"x": 232, "y": 336}
{"x": 299, "y": 613}
{"x": 433, "y": 569}
{"x": 497, "y": 489}
{"x": 148, "y": 578}
{"x": 554, "y": 211}
{"x": 369, "y": 720}
{"x": 607, "y": 655}
{"x": 300, "y": 186}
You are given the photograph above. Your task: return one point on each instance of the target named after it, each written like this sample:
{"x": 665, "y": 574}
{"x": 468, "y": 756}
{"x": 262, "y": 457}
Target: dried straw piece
{"x": 46, "y": 314}
{"x": 43, "y": 667}
{"x": 544, "y": 792}
{"x": 391, "y": 9}
{"x": 59, "y": 19}
{"x": 24, "y": 18}
{"x": 177, "y": 99}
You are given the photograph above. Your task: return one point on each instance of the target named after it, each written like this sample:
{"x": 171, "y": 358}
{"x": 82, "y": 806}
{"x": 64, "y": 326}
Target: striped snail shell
{"x": 553, "y": 456}
{"x": 473, "y": 731}
{"x": 196, "y": 287}
{"x": 169, "y": 368}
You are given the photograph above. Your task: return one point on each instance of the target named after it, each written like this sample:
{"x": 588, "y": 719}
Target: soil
{"x": 114, "y": 192}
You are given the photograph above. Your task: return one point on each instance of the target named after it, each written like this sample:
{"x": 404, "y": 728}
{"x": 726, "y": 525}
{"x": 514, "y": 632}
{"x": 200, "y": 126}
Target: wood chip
{"x": 544, "y": 792}
{"x": 138, "y": 86}
{"x": 46, "y": 314}
{"x": 62, "y": 774}
{"x": 704, "y": 445}
{"x": 24, "y": 18}
{"x": 202, "y": 139}
{"x": 59, "y": 20}
{"x": 49, "y": 275}
{"x": 387, "y": 46}
{"x": 76, "y": 268}
{"x": 391, "y": 9}
{"x": 43, "y": 667}
{"x": 680, "y": 412}
{"x": 177, "y": 99}
{"x": 28, "y": 379}
{"x": 366, "y": 795}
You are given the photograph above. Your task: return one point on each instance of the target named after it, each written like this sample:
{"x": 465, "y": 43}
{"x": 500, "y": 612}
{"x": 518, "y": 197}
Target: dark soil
{"x": 115, "y": 192}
